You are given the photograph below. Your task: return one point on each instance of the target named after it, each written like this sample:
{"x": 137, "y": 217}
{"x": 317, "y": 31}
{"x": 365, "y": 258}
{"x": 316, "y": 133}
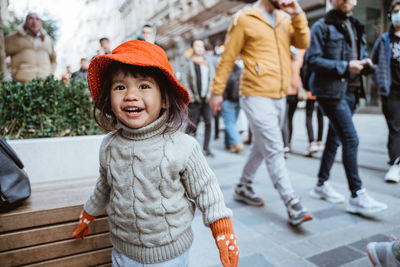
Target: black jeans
{"x": 341, "y": 131}
{"x": 391, "y": 110}
{"x": 287, "y": 128}
{"x": 196, "y": 112}
{"x": 310, "y": 106}
{"x": 216, "y": 124}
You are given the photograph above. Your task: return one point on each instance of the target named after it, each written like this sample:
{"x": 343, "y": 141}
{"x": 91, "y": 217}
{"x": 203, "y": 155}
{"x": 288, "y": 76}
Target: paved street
{"x": 334, "y": 237}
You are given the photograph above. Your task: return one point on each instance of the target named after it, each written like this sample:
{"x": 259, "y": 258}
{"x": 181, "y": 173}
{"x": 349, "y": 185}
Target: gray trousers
{"x": 266, "y": 117}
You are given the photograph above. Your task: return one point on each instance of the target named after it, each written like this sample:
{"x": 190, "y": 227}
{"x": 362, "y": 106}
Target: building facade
{"x": 179, "y": 21}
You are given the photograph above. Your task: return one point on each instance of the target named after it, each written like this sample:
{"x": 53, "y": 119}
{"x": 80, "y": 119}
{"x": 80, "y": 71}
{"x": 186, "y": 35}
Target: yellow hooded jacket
{"x": 265, "y": 52}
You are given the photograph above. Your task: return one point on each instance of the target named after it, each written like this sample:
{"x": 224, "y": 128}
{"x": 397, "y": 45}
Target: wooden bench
{"x": 39, "y": 232}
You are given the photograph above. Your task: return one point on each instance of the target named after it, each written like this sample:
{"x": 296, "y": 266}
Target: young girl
{"x": 151, "y": 175}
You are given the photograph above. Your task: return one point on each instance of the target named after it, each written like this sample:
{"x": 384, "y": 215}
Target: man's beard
{"x": 275, "y": 4}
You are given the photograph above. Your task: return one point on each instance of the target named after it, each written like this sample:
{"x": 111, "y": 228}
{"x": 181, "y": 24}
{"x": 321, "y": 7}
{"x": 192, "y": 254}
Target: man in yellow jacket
{"x": 262, "y": 35}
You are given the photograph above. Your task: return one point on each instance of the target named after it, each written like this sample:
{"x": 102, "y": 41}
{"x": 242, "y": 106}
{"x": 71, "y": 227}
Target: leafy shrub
{"x": 46, "y": 108}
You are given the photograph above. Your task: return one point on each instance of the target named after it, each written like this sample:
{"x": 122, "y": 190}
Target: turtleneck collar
{"x": 155, "y": 128}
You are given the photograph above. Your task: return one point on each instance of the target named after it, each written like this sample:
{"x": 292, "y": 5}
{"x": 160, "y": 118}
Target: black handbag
{"x": 14, "y": 182}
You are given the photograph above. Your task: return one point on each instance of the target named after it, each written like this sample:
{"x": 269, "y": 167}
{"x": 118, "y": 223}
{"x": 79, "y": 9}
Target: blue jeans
{"x": 341, "y": 131}
{"x": 230, "y": 112}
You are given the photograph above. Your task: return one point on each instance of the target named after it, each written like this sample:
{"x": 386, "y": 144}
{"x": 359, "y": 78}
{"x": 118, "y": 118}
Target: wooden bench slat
{"x": 54, "y": 250}
{"x": 38, "y": 218}
{"x": 50, "y": 203}
{"x": 94, "y": 258}
{"x": 39, "y": 232}
{"x": 47, "y": 234}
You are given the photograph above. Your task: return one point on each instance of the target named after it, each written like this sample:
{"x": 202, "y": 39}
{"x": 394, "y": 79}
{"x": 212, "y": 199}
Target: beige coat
{"x": 26, "y": 61}
{"x": 265, "y": 52}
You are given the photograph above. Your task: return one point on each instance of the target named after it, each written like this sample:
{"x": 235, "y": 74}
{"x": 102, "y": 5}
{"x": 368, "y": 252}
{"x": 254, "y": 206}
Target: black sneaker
{"x": 245, "y": 194}
{"x": 297, "y": 214}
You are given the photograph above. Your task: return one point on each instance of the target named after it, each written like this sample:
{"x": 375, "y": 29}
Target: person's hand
{"x": 83, "y": 227}
{"x": 291, "y": 7}
{"x": 356, "y": 66}
{"x": 226, "y": 242}
{"x": 215, "y": 102}
{"x": 367, "y": 61}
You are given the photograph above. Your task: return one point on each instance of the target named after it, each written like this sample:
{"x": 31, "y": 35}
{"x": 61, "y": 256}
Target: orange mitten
{"x": 225, "y": 239}
{"x": 83, "y": 226}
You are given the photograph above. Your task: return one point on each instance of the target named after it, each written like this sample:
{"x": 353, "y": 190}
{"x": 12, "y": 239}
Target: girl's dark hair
{"x": 176, "y": 111}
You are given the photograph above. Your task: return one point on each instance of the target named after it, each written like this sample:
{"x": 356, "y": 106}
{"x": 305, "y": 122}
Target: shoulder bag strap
{"x": 10, "y": 152}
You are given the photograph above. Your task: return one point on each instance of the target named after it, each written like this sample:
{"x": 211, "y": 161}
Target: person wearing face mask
{"x": 338, "y": 56}
{"x": 386, "y": 54}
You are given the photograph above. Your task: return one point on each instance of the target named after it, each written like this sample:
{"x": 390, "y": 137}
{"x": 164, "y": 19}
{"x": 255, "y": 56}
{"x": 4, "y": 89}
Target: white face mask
{"x": 396, "y": 19}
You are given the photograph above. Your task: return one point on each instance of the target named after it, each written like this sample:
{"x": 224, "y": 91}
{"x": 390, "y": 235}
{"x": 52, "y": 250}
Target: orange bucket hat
{"x": 134, "y": 52}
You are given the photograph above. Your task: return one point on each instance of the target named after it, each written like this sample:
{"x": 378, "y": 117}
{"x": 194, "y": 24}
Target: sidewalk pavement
{"x": 334, "y": 237}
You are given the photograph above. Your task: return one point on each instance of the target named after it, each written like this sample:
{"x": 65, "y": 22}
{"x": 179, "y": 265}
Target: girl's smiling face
{"x": 135, "y": 101}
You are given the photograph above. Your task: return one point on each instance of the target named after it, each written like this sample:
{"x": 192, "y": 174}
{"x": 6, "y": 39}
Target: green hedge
{"x": 46, "y": 108}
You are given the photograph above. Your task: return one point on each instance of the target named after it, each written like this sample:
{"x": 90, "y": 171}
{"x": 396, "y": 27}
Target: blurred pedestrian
{"x": 211, "y": 55}
{"x": 337, "y": 56}
{"x": 314, "y": 145}
{"x": 196, "y": 77}
{"x": 105, "y": 47}
{"x": 262, "y": 35}
{"x": 82, "y": 72}
{"x": 67, "y": 75}
{"x": 213, "y": 58}
{"x": 291, "y": 101}
{"x": 386, "y": 54}
{"x": 230, "y": 109}
{"x": 147, "y": 33}
{"x": 31, "y": 50}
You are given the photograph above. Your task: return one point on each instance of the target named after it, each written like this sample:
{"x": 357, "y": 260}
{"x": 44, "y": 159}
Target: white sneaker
{"x": 320, "y": 146}
{"x": 326, "y": 192}
{"x": 393, "y": 174}
{"x": 311, "y": 149}
{"x": 364, "y": 204}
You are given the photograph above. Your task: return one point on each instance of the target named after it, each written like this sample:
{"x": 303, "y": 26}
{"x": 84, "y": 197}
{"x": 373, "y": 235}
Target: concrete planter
{"x": 59, "y": 158}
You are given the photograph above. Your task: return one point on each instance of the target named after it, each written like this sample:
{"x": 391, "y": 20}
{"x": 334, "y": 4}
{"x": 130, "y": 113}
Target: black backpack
{"x": 305, "y": 70}
{"x": 14, "y": 182}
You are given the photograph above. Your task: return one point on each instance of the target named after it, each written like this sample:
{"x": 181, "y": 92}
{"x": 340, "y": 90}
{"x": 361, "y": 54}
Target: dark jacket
{"x": 381, "y": 56}
{"x": 232, "y": 86}
{"x": 189, "y": 80}
{"x": 81, "y": 74}
{"x": 330, "y": 53}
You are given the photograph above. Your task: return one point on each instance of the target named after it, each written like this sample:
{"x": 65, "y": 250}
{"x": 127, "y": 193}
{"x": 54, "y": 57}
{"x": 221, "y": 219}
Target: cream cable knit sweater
{"x": 150, "y": 184}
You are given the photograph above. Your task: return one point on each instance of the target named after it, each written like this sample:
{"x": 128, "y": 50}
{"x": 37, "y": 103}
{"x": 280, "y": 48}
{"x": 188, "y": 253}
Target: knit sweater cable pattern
{"x": 150, "y": 184}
